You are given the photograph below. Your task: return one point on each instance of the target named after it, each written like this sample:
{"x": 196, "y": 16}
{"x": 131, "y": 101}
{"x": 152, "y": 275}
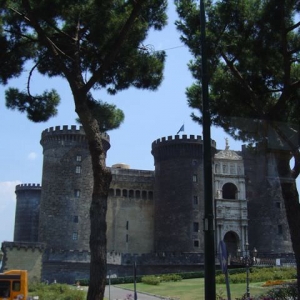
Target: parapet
{"x": 65, "y": 133}
{"x": 28, "y": 186}
{"x": 23, "y": 245}
{"x": 192, "y": 139}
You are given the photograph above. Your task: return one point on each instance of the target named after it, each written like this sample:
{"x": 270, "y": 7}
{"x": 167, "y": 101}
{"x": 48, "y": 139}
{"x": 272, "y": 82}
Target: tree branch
{"x": 120, "y": 40}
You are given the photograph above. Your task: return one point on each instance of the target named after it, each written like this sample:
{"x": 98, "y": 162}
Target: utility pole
{"x": 209, "y": 239}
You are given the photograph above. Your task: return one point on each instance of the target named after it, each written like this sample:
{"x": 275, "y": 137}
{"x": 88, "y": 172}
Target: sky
{"x": 148, "y": 116}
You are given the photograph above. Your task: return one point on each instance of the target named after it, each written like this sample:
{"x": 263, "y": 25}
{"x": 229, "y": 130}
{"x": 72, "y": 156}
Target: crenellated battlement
{"x": 65, "y": 129}
{"x": 28, "y": 186}
{"x": 184, "y": 139}
{"x": 23, "y": 245}
{"x": 55, "y": 135}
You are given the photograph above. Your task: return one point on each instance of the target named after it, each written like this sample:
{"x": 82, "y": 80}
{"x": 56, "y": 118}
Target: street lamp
{"x": 247, "y": 261}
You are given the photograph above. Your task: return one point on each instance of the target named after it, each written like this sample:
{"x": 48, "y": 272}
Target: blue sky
{"x": 148, "y": 116}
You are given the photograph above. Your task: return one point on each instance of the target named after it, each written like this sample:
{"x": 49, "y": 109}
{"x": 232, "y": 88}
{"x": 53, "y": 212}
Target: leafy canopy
{"x": 85, "y": 42}
{"x": 253, "y": 65}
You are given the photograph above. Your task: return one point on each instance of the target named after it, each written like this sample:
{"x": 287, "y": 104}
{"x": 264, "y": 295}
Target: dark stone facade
{"x": 155, "y": 217}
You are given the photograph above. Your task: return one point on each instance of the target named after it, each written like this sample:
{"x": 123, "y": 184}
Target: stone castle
{"x": 154, "y": 217}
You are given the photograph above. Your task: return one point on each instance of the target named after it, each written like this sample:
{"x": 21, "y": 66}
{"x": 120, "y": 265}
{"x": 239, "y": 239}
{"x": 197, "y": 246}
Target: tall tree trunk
{"x": 98, "y": 208}
{"x": 291, "y": 201}
{"x": 102, "y": 179}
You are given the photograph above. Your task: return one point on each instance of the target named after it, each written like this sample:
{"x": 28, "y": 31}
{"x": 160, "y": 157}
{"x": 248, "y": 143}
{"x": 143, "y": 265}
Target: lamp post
{"x": 247, "y": 261}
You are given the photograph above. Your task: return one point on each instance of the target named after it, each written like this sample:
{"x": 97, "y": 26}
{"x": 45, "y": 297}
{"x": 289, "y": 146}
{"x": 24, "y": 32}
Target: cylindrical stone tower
{"x": 266, "y": 209}
{"x": 67, "y": 188}
{"x": 178, "y": 194}
{"x": 27, "y": 212}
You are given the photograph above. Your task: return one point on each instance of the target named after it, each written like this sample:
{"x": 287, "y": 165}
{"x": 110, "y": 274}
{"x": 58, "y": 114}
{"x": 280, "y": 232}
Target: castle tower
{"x": 67, "y": 182}
{"x": 27, "y": 212}
{"x": 178, "y": 194}
{"x": 268, "y": 227}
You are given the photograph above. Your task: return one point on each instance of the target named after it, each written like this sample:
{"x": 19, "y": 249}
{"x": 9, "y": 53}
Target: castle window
{"x": 232, "y": 169}
{"x": 195, "y": 179}
{"x": 144, "y": 194}
{"x": 124, "y": 193}
{"x": 137, "y": 194}
{"x": 278, "y": 204}
{"x": 196, "y": 243}
{"x": 280, "y": 230}
{"x": 76, "y": 193}
{"x": 196, "y": 227}
{"x": 75, "y": 219}
{"x": 229, "y": 191}
{"x": 75, "y": 236}
{"x": 78, "y": 158}
{"x": 131, "y": 193}
{"x": 127, "y": 225}
{"x": 151, "y": 195}
{"x": 217, "y": 169}
{"x": 127, "y": 238}
{"x": 78, "y": 170}
{"x": 195, "y": 200}
{"x": 118, "y": 192}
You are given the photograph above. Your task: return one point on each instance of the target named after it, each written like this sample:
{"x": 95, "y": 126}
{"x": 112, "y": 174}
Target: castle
{"x": 154, "y": 217}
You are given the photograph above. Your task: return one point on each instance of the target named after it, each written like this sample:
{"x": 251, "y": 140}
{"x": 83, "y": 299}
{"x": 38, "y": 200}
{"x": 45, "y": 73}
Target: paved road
{"x": 116, "y": 293}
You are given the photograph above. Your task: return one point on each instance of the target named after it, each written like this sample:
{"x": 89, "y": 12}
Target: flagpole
{"x": 209, "y": 239}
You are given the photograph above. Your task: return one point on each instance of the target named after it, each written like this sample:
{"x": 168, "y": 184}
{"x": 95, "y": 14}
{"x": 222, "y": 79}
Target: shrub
{"x": 170, "y": 277}
{"x": 287, "y": 291}
{"x": 260, "y": 274}
{"x": 55, "y": 292}
{"x": 153, "y": 280}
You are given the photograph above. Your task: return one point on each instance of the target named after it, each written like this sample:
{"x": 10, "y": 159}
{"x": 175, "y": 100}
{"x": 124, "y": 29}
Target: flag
{"x": 181, "y": 129}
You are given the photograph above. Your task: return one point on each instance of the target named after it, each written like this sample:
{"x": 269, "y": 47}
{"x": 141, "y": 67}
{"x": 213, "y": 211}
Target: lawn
{"x": 193, "y": 289}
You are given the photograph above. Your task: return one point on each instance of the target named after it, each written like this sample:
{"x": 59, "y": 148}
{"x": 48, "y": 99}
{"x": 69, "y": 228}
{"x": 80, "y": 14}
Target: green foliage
{"x": 91, "y": 44}
{"x": 253, "y": 62}
{"x": 108, "y": 116}
{"x": 56, "y": 292}
{"x": 151, "y": 279}
{"x": 38, "y": 108}
{"x": 260, "y": 275}
{"x": 287, "y": 291}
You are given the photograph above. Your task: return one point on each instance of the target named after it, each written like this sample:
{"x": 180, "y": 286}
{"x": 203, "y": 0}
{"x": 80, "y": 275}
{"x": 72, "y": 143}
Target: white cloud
{"x": 32, "y": 156}
{"x": 7, "y": 209}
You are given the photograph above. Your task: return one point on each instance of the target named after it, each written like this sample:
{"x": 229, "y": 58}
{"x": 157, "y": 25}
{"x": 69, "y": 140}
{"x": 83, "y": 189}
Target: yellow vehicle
{"x": 13, "y": 285}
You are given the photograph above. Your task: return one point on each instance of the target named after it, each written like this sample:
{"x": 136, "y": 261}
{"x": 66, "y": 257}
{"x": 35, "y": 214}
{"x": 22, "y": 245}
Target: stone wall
{"x": 24, "y": 256}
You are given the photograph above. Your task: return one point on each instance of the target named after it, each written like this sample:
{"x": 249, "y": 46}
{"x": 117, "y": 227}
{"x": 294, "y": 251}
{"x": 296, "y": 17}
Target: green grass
{"x": 193, "y": 289}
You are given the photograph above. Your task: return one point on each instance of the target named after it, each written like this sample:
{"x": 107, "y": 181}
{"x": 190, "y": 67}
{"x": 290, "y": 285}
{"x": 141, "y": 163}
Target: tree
{"x": 253, "y": 49}
{"x": 93, "y": 44}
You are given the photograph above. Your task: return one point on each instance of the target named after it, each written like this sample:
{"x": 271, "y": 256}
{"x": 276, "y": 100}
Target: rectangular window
{"x": 280, "y": 230}
{"x": 127, "y": 238}
{"x": 78, "y": 170}
{"x": 75, "y": 236}
{"x": 75, "y": 219}
{"x": 77, "y": 193}
{"x": 196, "y": 243}
{"x": 195, "y": 200}
{"x": 127, "y": 225}
{"x": 196, "y": 227}
{"x": 278, "y": 204}
{"x": 195, "y": 179}
{"x": 78, "y": 158}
